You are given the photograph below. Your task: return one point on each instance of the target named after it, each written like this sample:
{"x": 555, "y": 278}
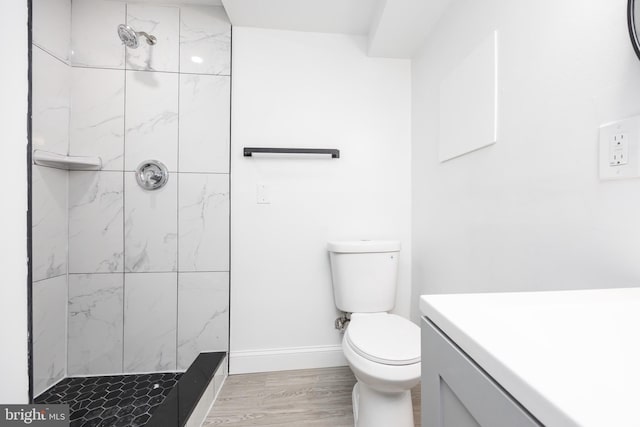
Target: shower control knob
{"x": 152, "y": 174}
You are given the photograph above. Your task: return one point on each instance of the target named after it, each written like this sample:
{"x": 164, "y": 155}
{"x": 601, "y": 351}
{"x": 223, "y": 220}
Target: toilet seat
{"x": 384, "y": 338}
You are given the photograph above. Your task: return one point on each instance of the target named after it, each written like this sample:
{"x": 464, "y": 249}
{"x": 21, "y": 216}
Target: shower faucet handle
{"x": 152, "y": 175}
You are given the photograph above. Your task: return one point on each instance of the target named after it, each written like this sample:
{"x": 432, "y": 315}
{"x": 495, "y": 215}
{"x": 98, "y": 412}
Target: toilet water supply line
{"x": 342, "y": 322}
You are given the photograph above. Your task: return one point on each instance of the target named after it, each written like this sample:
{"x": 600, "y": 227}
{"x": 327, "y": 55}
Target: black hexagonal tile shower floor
{"x": 118, "y": 401}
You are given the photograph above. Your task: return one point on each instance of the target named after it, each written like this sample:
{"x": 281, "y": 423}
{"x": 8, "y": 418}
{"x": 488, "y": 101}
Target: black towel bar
{"x": 335, "y": 154}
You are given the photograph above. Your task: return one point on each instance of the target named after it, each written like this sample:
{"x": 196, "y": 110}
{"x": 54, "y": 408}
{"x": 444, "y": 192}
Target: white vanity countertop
{"x": 572, "y": 358}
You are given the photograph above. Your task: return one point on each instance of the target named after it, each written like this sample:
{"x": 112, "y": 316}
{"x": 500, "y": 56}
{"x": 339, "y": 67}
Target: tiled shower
{"x": 127, "y": 280}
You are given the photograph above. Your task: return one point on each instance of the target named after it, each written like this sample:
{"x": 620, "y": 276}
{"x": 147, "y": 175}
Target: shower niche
{"x": 127, "y": 280}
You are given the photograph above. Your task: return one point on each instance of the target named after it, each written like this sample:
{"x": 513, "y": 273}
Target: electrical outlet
{"x": 620, "y": 149}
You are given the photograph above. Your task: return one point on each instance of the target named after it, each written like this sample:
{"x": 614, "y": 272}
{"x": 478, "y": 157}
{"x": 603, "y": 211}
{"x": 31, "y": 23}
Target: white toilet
{"x": 382, "y": 349}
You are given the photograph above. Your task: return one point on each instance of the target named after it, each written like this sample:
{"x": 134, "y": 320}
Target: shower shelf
{"x": 61, "y": 161}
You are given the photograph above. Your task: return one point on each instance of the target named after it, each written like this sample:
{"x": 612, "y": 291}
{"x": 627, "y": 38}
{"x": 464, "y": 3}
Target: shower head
{"x": 129, "y": 36}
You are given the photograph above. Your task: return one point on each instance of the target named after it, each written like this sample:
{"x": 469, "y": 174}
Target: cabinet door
{"x": 458, "y": 393}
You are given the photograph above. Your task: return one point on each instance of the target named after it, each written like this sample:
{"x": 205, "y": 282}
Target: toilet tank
{"x": 364, "y": 274}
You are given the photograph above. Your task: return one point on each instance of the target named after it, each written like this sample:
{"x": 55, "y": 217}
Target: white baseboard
{"x": 286, "y": 359}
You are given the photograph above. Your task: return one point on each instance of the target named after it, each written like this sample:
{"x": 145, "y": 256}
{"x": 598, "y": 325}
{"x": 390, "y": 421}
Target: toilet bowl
{"x": 382, "y": 349}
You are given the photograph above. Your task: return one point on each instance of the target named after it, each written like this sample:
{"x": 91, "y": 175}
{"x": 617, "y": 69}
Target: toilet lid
{"x": 384, "y": 338}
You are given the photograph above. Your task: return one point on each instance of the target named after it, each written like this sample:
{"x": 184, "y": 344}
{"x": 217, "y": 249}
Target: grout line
{"x": 123, "y": 275}
{"x": 205, "y": 74}
{"x": 48, "y": 278}
{"x": 228, "y": 358}
{"x": 68, "y": 299}
{"x": 94, "y": 67}
{"x": 69, "y": 176}
{"x": 95, "y": 273}
{"x": 124, "y": 47}
{"x": 70, "y": 45}
{"x": 178, "y": 191}
{"x": 139, "y": 272}
{"x": 131, "y": 171}
{"x": 124, "y": 176}
{"x": 29, "y": 213}
{"x": 53, "y": 55}
{"x": 204, "y": 173}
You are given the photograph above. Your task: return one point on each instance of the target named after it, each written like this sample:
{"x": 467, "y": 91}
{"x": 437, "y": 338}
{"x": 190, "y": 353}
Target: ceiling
{"x": 198, "y": 2}
{"x": 401, "y": 26}
{"x": 325, "y": 16}
{"x": 395, "y": 28}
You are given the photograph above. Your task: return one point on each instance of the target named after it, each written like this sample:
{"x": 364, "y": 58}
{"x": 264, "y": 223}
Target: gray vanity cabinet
{"x": 456, "y": 392}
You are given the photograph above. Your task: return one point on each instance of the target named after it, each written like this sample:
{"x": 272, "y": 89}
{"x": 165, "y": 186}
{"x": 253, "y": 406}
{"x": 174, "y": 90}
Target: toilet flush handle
{"x": 342, "y": 322}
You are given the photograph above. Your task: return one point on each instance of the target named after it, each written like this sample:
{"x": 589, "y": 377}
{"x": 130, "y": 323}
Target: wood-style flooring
{"x": 311, "y": 397}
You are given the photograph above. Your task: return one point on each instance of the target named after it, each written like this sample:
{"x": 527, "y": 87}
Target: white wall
{"x": 312, "y": 90}
{"x": 13, "y": 228}
{"x": 528, "y": 213}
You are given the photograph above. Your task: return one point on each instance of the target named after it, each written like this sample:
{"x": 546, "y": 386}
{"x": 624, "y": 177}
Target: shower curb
{"x": 195, "y": 385}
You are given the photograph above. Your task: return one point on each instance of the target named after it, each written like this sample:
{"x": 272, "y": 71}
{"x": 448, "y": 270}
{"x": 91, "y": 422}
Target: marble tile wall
{"x": 94, "y": 42}
{"x": 95, "y": 323}
{"x": 151, "y": 227}
{"x": 49, "y": 332}
{"x": 205, "y": 41}
{"x": 52, "y": 27}
{"x": 50, "y": 219}
{"x": 203, "y": 314}
{"x": 204, "y": 108}
{"x": 96, "y": 227}
{"x": 148, "y": 270}
{"x": 97, "y": 115}
{"x": 51, "y": 85}
{"x": 164, "y": 23}
{"x": 51, "y": 102}
{"x": 203, "y": 222}
{"x": 151, "y": 119}
{"x": 150, "y": 322}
